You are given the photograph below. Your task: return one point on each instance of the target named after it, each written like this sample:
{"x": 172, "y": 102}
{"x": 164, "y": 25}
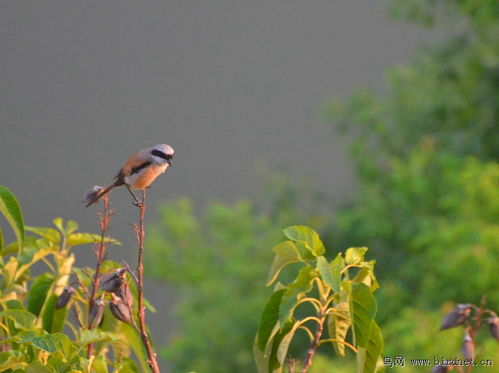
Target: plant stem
{"x": 100, "y": 253}
{"x": 315, "y": 342}
{"x": 140, "y": 234}
{"x": 320, "y": 319}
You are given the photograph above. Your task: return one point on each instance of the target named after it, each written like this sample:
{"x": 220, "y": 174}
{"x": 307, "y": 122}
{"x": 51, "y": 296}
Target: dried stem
{"x": 100, "y": 249}
{"x": 140, "y": 234}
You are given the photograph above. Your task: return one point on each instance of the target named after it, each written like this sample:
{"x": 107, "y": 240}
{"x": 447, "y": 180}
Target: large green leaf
{"x": 22, "y": 319}
{"x": 76, "y": 239}
{"x": 286, "y": 253}
{"x": 53, "y": 319}
{"x": 326, "y": 273}
{"x": 10, "y": 208}
{"x": 307, "y": 237}
{"x": 338, "y": 324}
{"x": 47, "y": 233}
{"x": 302, "y": 285}
{"x": 269, "y": 318}
{"x": 336, "y": 266}
{"x": 280, "y": 344}
{"x": 367, "y": 357}
{"x": 51, "y": 343}
{"x": 38, "y": 292}
{"x": 363, "y": 309}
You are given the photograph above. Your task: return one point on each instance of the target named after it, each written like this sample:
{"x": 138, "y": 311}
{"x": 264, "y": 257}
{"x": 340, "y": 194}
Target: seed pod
{"x": 96, "y": 313}
{"x": 65, "y": 297}
{"x": 125, "y": 294}
{"x": 494, "y": 327}
{"x": 119, "y": 309}
{"x": 111, "y": 283}
{"x": 457, "y": 317}
{"x": 468, "y": 347}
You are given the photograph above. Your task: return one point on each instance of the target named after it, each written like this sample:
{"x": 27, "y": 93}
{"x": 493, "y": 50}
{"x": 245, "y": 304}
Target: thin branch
{"x": 132, "y": 273}
{"x": 100, "y": 253}
{"x": 315, "y": 343}
{"x": 140, "y": 234}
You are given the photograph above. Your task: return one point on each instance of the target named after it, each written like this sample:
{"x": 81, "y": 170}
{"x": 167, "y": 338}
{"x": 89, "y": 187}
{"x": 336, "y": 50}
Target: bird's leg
{"x": 136, "y": 202}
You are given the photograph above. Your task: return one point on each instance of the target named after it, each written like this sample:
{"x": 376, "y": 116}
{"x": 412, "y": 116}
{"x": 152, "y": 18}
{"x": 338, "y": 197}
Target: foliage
{"x": 426, "y": 159}
{"x": 342, "y": 301}
{"x": 215, "y": 261}
{"x": 36, "y": 333}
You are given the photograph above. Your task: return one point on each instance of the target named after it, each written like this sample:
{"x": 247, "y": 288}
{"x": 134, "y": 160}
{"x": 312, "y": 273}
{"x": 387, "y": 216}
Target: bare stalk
{"x": 100, "y": 250}
{"x": 140, "y": 234}
{"x": 320, "y": 319}
{"x": 315, "y": 342}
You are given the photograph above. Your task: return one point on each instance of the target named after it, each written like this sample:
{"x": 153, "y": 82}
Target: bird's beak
{"x": 169, "y": 161}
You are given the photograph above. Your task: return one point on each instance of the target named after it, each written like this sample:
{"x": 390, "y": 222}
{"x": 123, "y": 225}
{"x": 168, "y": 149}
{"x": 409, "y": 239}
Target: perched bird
{"x": 138, "y": 172}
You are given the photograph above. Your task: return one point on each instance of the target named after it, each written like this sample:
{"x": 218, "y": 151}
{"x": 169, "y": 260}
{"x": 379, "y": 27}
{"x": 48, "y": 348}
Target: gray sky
{"x": 228, "y": 84}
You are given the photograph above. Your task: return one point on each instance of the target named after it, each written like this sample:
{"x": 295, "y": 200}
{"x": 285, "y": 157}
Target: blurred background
{"x": 372, "y": 122}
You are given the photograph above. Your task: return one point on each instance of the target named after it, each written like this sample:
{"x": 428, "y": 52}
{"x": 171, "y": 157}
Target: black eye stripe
{"x": 159, "y": 153}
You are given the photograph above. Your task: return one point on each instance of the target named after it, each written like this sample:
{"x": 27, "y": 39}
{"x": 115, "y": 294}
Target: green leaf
{"x": 58, "y": 222}
{"x": 1, "y": 241}
{"x": 133, "y": 340}
{"x": 269, "y": 318}
{"x": 307, "y": 237}
{"x": 355, "y": 255}
{"x": 336, "y": 266}
{"x": 363, "y": 309}
{"x": 286, "y": 253}
{"x": 22, "y": 319}
{"x": 12, "y": 360}
{"x": 281, "y": 344}
{"x": 51, "y": 343}
{"x": 367, "y": 357}
{"x": 9, "y": 207}
{"x": 38, "y": 367}
{"x": 38, "y": 292}
{"x": 76, "y": 239}
{"x": 302, "y": 285}
{"x": 338, "y": 324}
{"x": 48, "y": 233}
{"x": 98, "y": 365}
{"x": 326, "y": 273}
{"x": 28, "y": 257}
{"x": 58, "y": 364}
{"x": 71, "y": 227}
{"x": 91, "y": 336}
{"x": 127, "y": 366}
{"x": 53, "y": 319}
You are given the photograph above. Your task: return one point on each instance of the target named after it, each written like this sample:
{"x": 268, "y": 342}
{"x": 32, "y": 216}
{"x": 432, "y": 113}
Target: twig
{"x": 100, "y": 252}
{"x": 132, "y": 273}
{"x": 140, "y": 234}
{"x": 315, "y": 342}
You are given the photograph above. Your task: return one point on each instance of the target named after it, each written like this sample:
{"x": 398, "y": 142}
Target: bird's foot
{"x": 138, "y": 203}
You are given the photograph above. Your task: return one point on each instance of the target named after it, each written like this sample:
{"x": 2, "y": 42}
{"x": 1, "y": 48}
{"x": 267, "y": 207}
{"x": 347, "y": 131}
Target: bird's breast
{"x": 145, "y": 177}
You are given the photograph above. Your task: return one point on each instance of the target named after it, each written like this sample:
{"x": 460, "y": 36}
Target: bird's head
{"x": 162, "y": 154}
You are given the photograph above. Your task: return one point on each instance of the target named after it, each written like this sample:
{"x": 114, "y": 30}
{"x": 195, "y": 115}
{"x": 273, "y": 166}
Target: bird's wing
{"x": 134, "y": 164}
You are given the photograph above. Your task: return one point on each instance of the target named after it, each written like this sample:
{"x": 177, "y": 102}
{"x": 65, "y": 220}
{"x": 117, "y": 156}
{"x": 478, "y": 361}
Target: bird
{"x": 138, "y": 172}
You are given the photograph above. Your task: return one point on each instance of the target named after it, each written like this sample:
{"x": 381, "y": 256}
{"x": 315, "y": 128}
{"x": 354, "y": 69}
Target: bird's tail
{"x": 94, "y": 195}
